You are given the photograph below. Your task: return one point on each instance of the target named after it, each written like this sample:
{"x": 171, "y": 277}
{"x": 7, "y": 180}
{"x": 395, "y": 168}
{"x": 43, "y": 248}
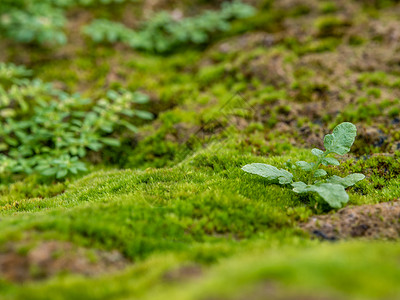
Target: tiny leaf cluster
{"x": 163, "y": 32}
{"x": 329, "y": 189}
{"x": 39, "y": 21}
{"x": 48, "y": 131}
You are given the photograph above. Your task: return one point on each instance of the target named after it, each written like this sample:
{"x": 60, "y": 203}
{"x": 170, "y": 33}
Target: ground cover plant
{"x": 163, "y": 33}
{"x": 41, "y": 22}
{"x": 32, "y": 21}
{"x": 48, "y": 131}
{"x": 121, "y": 166}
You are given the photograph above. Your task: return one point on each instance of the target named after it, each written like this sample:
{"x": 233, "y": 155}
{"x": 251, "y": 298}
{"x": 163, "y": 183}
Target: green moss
{"x": 269, "y": 20}
{"x": 186, "y": 201}
{"x": 312, "y": 45}
{"x": 306, "y": 90}
{"x": 356, "y": 40}
{"x": 32, "y": 187}
{"x": 382, "y": 174}
{"x": 115, "y": 209}
{"x": 364, "y": 112}
{"x": 379, "y": 4}
{"x": 299, "y": 271}
{"x": 206, "y": 209}
{"x": 331, "y": 26}
{"x": 374, "y": 78}
{"x": 394, "y": 112}
{"x": 210, "y": 74}
{"x": 328, "y": 7}
{"x": 299, "y": 10}
{"x": 374, "y": 92}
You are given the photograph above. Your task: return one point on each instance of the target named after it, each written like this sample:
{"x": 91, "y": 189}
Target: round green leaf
{"x": 341, "y": 139}
{"x": 272, "y": 173}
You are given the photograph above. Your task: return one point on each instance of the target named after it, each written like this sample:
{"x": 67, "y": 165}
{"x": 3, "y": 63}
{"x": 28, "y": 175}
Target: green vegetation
{"x": 49, "y": 131}
{"x": 162, "y": 33}
{"x": 32, "y": 21}
{"x": 331, "y": 189}
{"x": 41, "y": 22}
{"x": 125, "y": 125}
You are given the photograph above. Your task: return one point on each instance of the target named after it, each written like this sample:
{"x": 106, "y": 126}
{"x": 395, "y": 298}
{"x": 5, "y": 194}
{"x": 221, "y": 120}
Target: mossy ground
{"x": 174, "y": 196}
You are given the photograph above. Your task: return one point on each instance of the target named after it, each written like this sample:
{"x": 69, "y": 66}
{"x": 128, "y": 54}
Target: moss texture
{"x": 173, "y": 199}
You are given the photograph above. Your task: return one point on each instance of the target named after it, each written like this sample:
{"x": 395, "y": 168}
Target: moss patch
{"x": 191, "y": 224}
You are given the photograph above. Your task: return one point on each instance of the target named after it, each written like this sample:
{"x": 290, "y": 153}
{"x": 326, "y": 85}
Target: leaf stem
{"x": 316, "y": 166}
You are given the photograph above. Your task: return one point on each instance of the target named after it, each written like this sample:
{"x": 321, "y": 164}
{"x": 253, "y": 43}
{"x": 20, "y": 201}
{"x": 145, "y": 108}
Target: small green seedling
{"x": 331, "y": 189}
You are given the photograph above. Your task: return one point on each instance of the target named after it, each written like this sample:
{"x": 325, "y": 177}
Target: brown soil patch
{"x": 53, "y": 257}
{"x": 378, "y": 221}
{"x": 247, "y": 41}
{"x": 183, "y": 273}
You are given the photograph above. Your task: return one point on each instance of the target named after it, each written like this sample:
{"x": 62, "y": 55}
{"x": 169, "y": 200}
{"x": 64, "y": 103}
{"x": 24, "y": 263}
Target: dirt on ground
{"x": 20, "y": 263}
{"x": 377, "y": 221}
{"x": 183, "y": 273}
